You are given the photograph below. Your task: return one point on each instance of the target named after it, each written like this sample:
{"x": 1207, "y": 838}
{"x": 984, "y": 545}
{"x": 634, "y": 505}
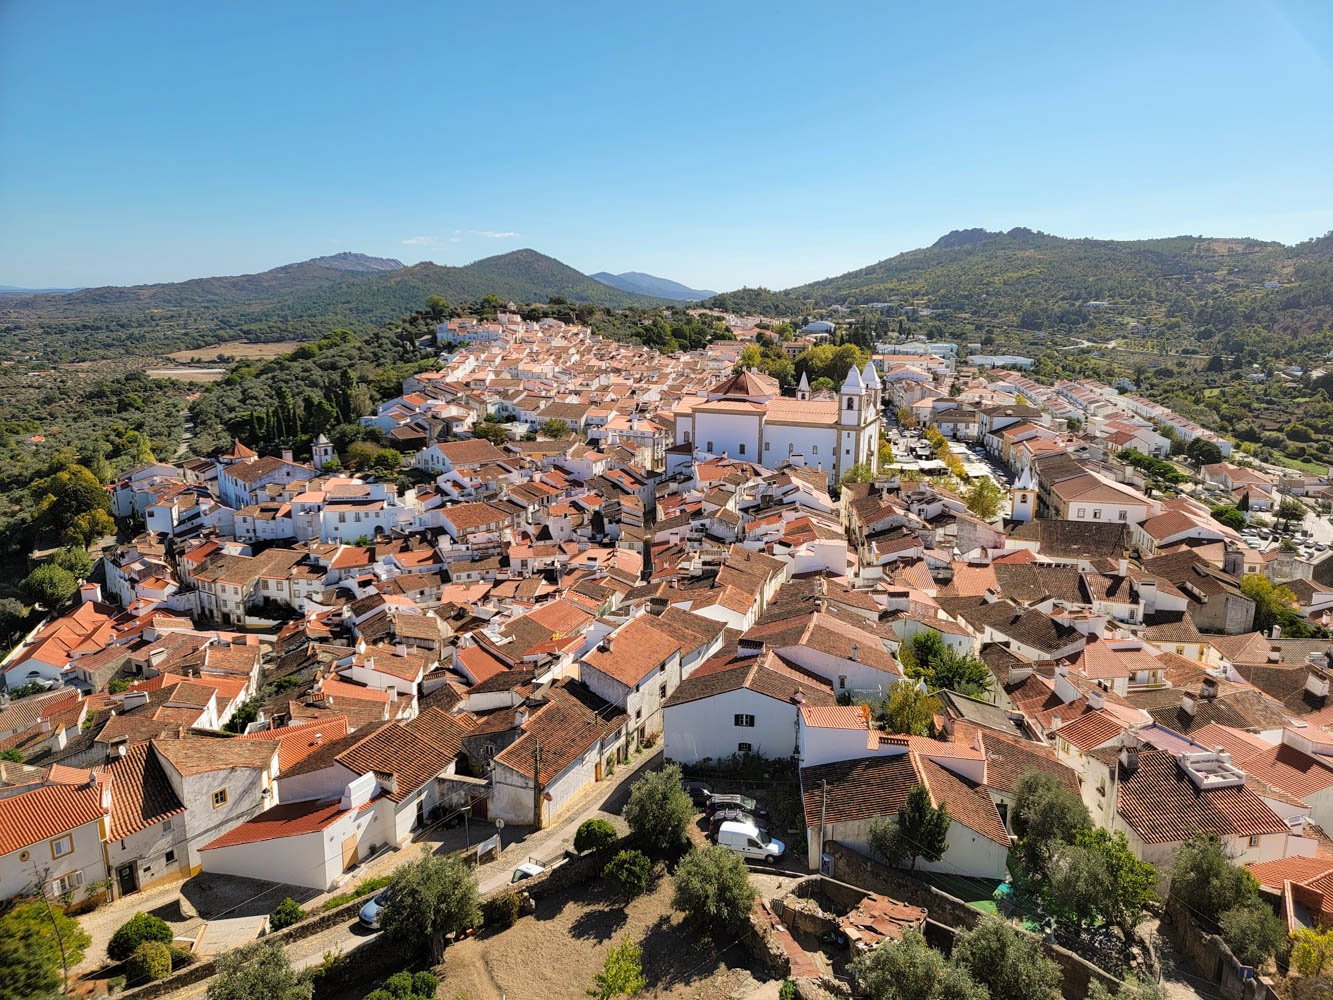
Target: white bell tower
{"x": 1023, "y": 498}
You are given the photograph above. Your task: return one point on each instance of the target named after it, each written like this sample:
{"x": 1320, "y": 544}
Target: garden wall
{"x": 1211, "y": 957}
{"x": 948, "y": 914}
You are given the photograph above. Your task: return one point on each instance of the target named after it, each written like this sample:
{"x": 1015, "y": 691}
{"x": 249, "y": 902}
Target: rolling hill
{"x": 649, "y": 284}
{"x": 1197, "y": 287}
{"x": 293, "y": 302}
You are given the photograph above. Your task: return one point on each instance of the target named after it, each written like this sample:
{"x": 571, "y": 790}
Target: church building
{"x": 747, "y": 417}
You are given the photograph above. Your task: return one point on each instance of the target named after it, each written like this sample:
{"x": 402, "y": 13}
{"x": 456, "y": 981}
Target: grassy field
{"x": 238, "y": 349}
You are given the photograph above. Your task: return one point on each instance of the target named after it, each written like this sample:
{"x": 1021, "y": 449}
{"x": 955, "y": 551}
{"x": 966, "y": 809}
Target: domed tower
{"x": 873, "y": 385}
{"x": 322, "y": 452}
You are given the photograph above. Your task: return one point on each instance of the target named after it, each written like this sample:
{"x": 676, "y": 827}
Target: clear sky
{"x": 718, "y": 143}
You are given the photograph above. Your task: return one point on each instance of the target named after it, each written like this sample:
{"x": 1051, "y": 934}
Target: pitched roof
{"x": 287, "y": 819}
{"x": 141, "y": 795}
{"x": 203, "y": 754}
{"x": 634, "y": 651}
{"x": 1164, "y": 806}
{"x": 47, "y": 812}
{"x": 299, "y": 741}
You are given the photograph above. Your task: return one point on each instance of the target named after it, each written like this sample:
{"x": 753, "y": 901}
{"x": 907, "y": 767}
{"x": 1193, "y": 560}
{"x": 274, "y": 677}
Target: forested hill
{"x": 1197, "y": 288}
{"x": 296, "y": 302}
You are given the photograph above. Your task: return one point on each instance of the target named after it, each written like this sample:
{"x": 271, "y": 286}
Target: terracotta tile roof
{"x": 141, "y": 795}
{"x": 855, "y": 717}
{"x": 399, "y": 751}
{"x": 1164, "y": 806}
{"x": 766, "y": 675}
{"x": 299, "y": 741}
{"x": 1294, "y": 869}
{"x": 1092, "y": 729}
{"x": 1007, "y": 760}
{"x": 1288, "y": 769}
{"x": 335, "y": 689}
{"x": 1236, "y": 742}
{"x": 203, "y": 754}
{"x": 47, "y": 812}
{"x": 287, "y": 819}
{"x": 634, "y": 651}
{"x": 968, "y": 803}
{"x": 564, "y": 728}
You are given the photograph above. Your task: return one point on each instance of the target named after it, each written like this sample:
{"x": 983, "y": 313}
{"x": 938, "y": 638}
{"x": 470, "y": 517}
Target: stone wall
{"x": 946, "y": 915}
{"x": 1210, "y": 956}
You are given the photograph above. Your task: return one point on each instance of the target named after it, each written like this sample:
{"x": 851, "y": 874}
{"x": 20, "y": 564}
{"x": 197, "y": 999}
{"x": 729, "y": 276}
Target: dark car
{"x": 698, "y": 792}
{"x": 742, "y": 802}
{"x": 737, "y": 815}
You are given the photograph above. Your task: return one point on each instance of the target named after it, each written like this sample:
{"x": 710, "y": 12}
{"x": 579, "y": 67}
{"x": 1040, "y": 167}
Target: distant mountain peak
{"x": 972, "y": 237}
{"x": 348, "y": 261}
{"x": 640, "y": 283}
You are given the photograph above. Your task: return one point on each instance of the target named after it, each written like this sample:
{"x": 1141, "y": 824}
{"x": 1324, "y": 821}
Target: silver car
{"x": 374, "y": 910}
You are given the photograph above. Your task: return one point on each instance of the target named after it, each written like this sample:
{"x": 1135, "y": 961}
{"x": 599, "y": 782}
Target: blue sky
{"x": 719, "y": 144}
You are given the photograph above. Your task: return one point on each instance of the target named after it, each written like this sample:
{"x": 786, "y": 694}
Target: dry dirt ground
{"x": 553, "y": 954}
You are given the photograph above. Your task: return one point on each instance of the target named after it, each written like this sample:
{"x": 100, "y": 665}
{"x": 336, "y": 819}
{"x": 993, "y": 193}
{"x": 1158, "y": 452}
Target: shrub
{"x": 180, "y": 957}
{"x": 1007, "y": 962}
{"x": 658, "y": 810}
{"x": 713, "y": 888}
{"x": 502, "y": 911}
{"x": 632, "y": 870}
{"x": 139, "y": 928}
{"x": 150, "y": 961}
{"x": 594, "y": 835}
{"x": 1312, "y": 951}
{"x": 364, "y": 888}
{"x": 1253, "y": 932}
{"x": 406, "y": 986}
{"x": 285, "y": 914}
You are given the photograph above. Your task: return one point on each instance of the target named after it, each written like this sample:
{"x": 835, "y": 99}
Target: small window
{"x": 1124, "y": 515}
{"x": 219, "y": 798}
{"x": 744, "y": 748}
{"x": 638, "y": 714}
{"x": 851, "y": 404}
{"x": 1082, "y": 512}
{"x": 62, "y": 846}
{"x": 709, "y": 449}
{"x": 842, "y": 682}
{"x": 768, "y": 446}
{"x": 1096, "y": 513}
{"x": 170, "y": 856}
{"x": 1254, "y": 841}
{"x": 746, "y": 721}
{"x": 814, "y": 449}
{"x": 661, "y": 690}
{"x": 740, "y": 448}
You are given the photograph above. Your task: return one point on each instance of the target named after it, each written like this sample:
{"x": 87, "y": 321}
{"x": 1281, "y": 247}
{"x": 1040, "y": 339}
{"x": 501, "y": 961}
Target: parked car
{"x": 372, "y": 912}
{"x": 526, "y": 870}
{"x": 744, "y": 802}
{"x": 749, "y": 841}
{"x": 732, "y": 816}
{"x": 698, "y": 792}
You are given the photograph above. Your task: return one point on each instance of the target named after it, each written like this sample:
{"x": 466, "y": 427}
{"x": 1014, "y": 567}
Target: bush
{"x": 1253, "y": 932}
{"x": 285, "y": 914}
{"x": 502, "y": 911}
{"x": 713, "y": 888}
{"x": 1007, "y": 962}
{"x": 594, "y": 835}
{"x": 150, "y": 961}
{"x": 180, "y": 957}
{"x": 632, "y": 870}
{"x": 407, "y": 986}
{"x": 139, "y": 928}
{"x": 658, "y": 811}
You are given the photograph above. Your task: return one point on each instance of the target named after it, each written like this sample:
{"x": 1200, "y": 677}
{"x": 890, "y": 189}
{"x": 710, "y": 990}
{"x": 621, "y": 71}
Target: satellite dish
{"x": 499, "y": 824}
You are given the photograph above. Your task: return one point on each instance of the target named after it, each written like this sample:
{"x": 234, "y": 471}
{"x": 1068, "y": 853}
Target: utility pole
{"x": 60, "y": 940}
{"x": 536, "y": 784}
{"x": 823, "y": 809}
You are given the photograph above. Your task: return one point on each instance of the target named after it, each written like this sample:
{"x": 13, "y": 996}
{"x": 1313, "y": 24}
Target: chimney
{"x": 286, "y": 454}
{"x": 856, "y": 653}
{"x": 1275, "y": 632}
{"x": 520, "y": 716}
{"x": 1129, "y": 758}
{"x": 1188, "y": 705}
{"x": 1055, "y": 720}
{"x": 319, "y": 739}
{"x": 1097, "y": 698}
{"x": 1208, "y": 691}
{"x": 400, "y": 649}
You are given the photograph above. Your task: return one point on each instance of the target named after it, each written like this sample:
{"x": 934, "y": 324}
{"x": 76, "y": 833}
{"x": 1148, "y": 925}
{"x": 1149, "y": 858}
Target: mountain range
{"x": 651, "y": 285}
{"x": 293, "y": 302}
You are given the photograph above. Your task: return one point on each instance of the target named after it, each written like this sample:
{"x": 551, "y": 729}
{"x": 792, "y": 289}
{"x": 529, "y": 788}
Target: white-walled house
{"x": 842, "y": 799}
{"x": 636, "y": 667}
{"x": 51, "y": 837}
{"x": 736, "y": 705}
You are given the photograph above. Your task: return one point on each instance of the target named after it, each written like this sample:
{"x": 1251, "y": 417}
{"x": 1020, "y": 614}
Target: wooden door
{"x": 349, "y": 852}
{"x": 598, "y": 775}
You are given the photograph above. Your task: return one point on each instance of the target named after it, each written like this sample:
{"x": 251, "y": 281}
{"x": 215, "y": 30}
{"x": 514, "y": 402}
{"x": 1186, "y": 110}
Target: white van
{"x": 749, "y": 841}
